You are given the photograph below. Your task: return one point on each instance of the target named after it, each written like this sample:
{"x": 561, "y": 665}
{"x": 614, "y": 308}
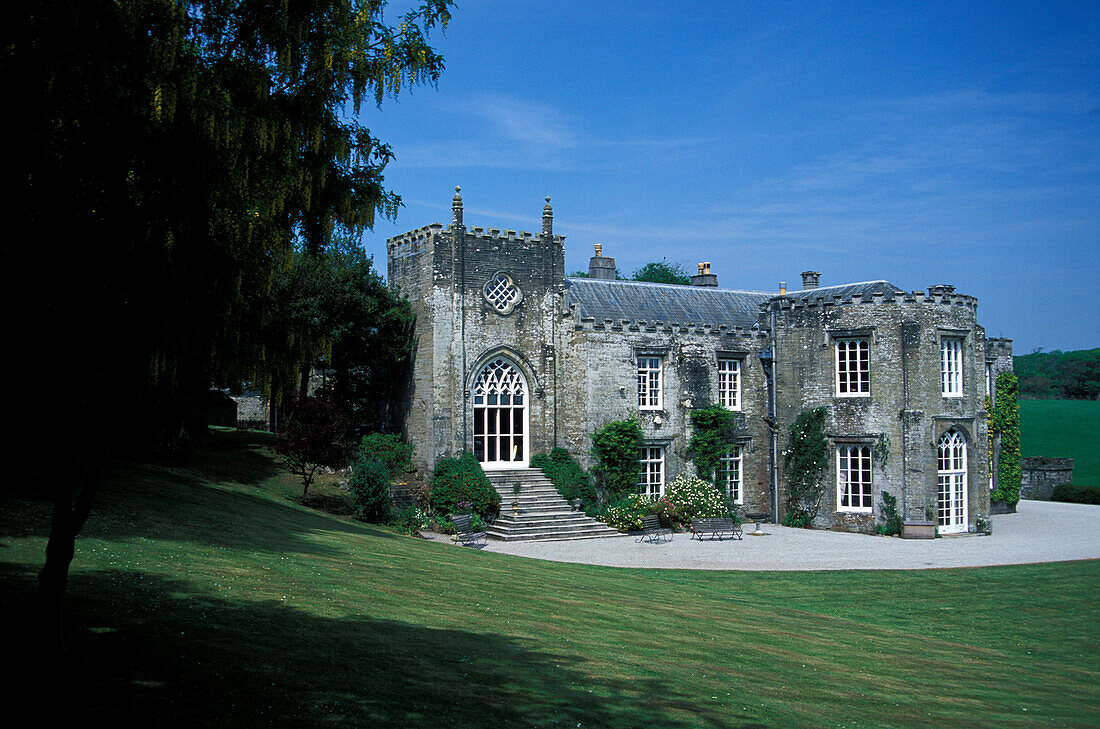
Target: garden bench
{"x": 715, "y": 528}
{"x": 464, "y": 530}
{"x": 652, "y": 530}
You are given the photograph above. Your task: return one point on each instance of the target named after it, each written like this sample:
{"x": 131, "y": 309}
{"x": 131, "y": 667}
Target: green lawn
{"x": 1063, "y": 428}
{"x": 204, "y": 597}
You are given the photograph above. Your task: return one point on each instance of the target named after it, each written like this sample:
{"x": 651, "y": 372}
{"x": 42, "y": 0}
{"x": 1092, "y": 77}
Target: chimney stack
{"x": 704, "y": 277}
{"x": 811, "y": 280}
{"x": 600, "y": 266}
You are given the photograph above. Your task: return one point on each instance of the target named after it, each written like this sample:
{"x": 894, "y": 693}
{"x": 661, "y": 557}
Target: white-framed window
{"x": 651, "y": 478}
{"x": 649, "y": 383}
{"x": 729, "y": 383}
{"x": 989, "y": 379}
{"x": 853, "y": 367}
{"x": 731, "y": 474}
{"x": 853, "y": 478}
{"x": 951, "y": 366}
{"x": 951, "y": 474}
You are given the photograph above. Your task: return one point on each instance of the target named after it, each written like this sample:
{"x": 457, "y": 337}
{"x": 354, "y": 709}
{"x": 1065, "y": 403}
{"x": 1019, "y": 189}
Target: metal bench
{"x": 715, "y": 528}
{"x": 652, "y": 531}
{"x": 464, "y": 530}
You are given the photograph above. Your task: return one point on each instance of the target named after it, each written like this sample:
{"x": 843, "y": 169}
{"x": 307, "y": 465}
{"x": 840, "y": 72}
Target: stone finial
{"x": 456, "y": 208}
{"x": 811, "y": 279}
{"x": 547, "y": 218}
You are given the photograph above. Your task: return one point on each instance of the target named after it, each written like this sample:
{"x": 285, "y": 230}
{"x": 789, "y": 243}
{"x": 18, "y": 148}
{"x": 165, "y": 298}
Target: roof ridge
{"x": 686, "y": 287}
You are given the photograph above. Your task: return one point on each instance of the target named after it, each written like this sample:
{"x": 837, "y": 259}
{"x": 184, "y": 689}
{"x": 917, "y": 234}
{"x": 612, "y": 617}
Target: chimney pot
{"x": 601, "y": 266}
{"x": 782, "y": 288}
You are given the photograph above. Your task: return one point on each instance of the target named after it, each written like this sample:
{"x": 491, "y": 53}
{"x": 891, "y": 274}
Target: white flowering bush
{"x": 689, "y": 497}
{"x": 626, "y": 514}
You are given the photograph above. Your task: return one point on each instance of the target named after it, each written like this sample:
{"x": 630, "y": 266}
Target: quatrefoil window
{"x": 501, "y": 291}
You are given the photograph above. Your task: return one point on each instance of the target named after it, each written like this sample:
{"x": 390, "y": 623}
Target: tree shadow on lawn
{"x": 147, "y": 502}
{"x": 152, "y": 652}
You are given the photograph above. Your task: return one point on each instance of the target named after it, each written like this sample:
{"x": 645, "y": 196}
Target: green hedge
{"x": 460, "y": 486}
{"x": 1072, "y": 494}
{"x": 567, "y": 475}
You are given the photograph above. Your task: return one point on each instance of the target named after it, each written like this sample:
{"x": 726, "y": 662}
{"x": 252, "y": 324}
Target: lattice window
{"x": 729, "y": 383}
{"x": 853, "y": 367}
{"x": 731, "y": 474}
{"x": 951, "y": 366}
{"x": 951, "y": 475}
{"x": 651, "y": 479}
{"x": 502, "y": 293}
{"x": 853, "y": 478}
{"x": 649, "y": 383}
{"x": 500, "y": 399}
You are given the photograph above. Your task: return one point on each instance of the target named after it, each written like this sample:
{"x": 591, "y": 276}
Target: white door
{"x": 951, "y": 478}
{"x": 500, "y": 416}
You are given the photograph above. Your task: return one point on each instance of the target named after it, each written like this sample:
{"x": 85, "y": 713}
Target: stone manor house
{"x": 512, "y": 358}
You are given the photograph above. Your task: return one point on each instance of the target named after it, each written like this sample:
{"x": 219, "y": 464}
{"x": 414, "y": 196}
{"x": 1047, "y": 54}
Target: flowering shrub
{"x": 688, "y": 497}
{"x": 626, "y": 514}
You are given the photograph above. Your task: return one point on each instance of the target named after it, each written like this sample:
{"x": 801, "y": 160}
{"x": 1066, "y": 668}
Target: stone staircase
{"x": 543, "y": 514}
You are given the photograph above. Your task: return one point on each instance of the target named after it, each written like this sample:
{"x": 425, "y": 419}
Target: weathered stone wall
{"x": 458, "y": 330}
{"x": 1040, "y": 475}
{"x": 905, "y": 414}
{"x": 599, "y": 384}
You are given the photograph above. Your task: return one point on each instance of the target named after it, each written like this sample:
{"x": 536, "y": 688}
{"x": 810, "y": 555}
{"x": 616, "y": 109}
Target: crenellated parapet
{"x": 935, "y": 296}
{"x": 413, "y": 236}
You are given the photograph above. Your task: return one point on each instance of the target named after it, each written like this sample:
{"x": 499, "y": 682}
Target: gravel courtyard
{"x": 1040, "y": 531}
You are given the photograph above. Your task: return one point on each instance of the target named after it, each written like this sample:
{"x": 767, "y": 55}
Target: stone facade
{"x": 490, "y": 302}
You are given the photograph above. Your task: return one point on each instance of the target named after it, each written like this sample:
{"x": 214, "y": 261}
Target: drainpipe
{"x": 767, "y": 361}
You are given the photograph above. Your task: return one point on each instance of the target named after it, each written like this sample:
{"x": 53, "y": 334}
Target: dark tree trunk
{"x": 75, "y": 477}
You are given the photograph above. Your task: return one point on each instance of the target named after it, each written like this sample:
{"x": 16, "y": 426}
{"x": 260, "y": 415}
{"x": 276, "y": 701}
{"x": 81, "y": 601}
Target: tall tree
{"x": 662, "y": 272}
{"x": 169, "y": 155}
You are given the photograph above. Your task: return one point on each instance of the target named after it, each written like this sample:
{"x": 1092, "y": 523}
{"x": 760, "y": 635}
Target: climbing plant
{"x": 807, "y": 457}
{"x": 712, "y": 436}
{"x": 615, "y": 447}
{"x": 1005, "y": 421}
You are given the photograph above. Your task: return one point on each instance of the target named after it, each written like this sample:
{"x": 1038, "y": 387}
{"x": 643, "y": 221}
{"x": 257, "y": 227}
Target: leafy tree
{"x": 663, "y": 272}
{"x": 312, "y": 436}
{"x": 341, "y": 317}
{"x": 615, "y": 447}
{"x": 370, "y": 490}
{"x": 1005, "y": 421}
{"x": 712, "y": 437}
{"x": 170, "y": 154}
{"x": 806, "y": 461}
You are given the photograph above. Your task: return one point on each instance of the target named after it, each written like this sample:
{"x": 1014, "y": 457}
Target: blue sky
{"x": 921, "y": 143}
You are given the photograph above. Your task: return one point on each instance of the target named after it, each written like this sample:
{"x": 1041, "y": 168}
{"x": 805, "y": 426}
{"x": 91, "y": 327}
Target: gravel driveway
{"x": 1040, "y": 531}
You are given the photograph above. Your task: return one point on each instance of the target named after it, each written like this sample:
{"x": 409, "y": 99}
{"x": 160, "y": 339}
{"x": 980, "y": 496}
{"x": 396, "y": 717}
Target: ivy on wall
{"x": 1005, "y": 421}
{"x": 615, "y": 447}
{"x": 807, "y": 457}
{"x": 712, "y": 436}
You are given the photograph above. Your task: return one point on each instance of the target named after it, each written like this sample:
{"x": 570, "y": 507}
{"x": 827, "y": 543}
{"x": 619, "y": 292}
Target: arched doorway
{"x": 500, "y": 415}
{"x": 951, "y": 481}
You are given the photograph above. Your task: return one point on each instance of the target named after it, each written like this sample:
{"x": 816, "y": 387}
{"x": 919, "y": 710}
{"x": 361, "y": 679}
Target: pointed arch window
{"x": 500, "y": 415}
{"x": 951, "y": 475}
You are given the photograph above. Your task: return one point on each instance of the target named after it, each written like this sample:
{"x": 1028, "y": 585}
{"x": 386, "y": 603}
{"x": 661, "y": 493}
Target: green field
{"x": 1066, "y": 429}
{"x": 204, "y": 597}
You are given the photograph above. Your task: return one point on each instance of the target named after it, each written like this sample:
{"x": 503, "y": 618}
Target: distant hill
{"x": 1059, "y": 375}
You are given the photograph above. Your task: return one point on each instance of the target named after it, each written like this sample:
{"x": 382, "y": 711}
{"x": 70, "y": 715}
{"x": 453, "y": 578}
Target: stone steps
{"x": 542, "y": 514}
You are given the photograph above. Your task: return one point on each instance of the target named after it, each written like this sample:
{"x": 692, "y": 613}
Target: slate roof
{"x": 650, "y": 302}
{"x": 845, "y": 291}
